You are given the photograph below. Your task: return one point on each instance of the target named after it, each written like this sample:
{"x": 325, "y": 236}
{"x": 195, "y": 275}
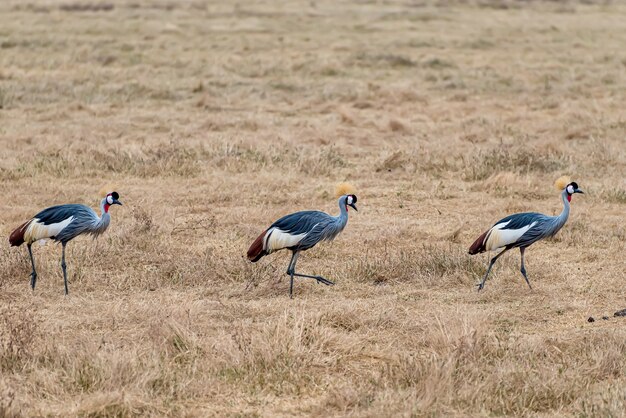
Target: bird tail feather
{"x": 256, "y": 250}
{"x": 479, "y": 245}
{"x": 17, "y": 237}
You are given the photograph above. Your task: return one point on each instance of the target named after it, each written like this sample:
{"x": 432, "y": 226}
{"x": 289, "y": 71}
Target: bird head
{"x": 111, "y": 199}
{"x": 351, "y": 201}
{"x": 345, "y": 192}
{"x": 570, "y": 187}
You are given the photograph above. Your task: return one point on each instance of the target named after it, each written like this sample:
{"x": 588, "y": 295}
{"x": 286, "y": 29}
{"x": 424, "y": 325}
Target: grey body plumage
{"x": 318, "y": 226}
{"x": 544, "y": 226}
{"x": 522, "y": 230}
{"x": 63, "y": 223}
{"x": 299, "y": 232}
{"x": 85, "y": 220}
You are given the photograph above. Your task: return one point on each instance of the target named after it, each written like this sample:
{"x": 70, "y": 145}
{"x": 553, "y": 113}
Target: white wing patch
{"x": 37, "y": 231}
{"x": 277, "y": 239}
{"x": 499, "y": 238}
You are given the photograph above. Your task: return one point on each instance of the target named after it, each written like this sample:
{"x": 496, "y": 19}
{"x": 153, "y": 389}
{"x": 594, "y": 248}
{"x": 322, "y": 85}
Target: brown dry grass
{"x": 213, "y": 119}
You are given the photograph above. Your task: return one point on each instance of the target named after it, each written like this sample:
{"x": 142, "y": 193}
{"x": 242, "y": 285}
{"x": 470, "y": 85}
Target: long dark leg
{"x": 523, "y": 269}
{"x": 292, "y": 262}
{"x": 63, "y": 266}
{"x": 493, "y": 260}
{"x": 319, "y": 279}
{"x": 290, "y": 271}
{"x": 33, "y": 274}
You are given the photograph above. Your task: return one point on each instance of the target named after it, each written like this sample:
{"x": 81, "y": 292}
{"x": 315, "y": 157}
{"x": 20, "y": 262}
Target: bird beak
{"x": 579, "y": 191}
{"x": 117, "y": 202}
{"x": 354, "y": 207}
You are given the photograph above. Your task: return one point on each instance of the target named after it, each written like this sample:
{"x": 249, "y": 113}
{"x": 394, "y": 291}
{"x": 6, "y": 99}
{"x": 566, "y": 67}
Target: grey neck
{"x": 342, "y": 218}
{"x": 565, "y": 212}
{"x": 562, "y": 218}
{"x": 102, "y": 223}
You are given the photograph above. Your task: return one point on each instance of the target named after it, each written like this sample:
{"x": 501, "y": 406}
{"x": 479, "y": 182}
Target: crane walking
{"x": 303, "y": 230}
{"x": 524, "y": 229}
{"x": 62, "y": 224}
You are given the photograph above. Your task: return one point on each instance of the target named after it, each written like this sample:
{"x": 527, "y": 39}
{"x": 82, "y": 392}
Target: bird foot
{"x": 322, "y": 280}
{"x": 480, "y": 286}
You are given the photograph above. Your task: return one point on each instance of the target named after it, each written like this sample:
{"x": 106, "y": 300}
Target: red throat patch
{"x": 569, "y": 197}
{"x": 107, "y": 206}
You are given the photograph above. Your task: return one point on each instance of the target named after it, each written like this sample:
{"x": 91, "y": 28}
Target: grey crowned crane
{"x": 303, "y": 230}
{"x": 62, "y": 224}
{"x": 524, "y": 229}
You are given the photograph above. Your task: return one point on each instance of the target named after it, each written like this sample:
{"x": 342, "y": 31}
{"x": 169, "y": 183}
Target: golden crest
{"x": 343, "y": 189}
{"x": 562, "y": 182}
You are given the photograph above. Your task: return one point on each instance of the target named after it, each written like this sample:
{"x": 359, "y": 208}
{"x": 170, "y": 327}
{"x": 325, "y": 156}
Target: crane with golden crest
{"x": 62, "y": 224}
{"x": 300, "y": 231}
{"x": 524, "y": 229}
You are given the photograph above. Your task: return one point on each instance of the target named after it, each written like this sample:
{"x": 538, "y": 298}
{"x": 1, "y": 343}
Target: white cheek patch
{"x": 349, "y": 200}
{"x": 110, "y": 200}
{"x": 570, "y": 189}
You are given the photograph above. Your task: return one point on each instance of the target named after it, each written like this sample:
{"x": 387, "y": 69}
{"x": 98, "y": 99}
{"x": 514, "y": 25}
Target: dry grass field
{"x": 214, "y": 118}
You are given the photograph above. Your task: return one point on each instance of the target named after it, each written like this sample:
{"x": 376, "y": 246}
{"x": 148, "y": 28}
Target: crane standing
{"x": 303, "y": 230}
{"x": 523, "y": 229}
{"x": 62, "y": 224}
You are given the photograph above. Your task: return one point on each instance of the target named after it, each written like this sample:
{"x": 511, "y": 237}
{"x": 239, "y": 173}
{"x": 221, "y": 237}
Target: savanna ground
{"x": 212, "y": 119}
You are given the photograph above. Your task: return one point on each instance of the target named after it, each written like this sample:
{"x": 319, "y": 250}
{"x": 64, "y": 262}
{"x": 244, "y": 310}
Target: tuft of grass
{"x": 484, "y": 163}
{"x": 330, "y": 71}
{"x": 394, "y": 161}
{"x": 273, "y": 358}
{"x": 174, "y": 160}
{"x": 8, "y": 407}
{"x": 281, "y": 86}
{"x": 18, "y": 331}
{"x": 87, "y": 7}
{"x": 615, "y": 196}
{"x": 5, "y": 98}
{"x": 387, "y": 60}
{"x": 426, "y": 266}
{"x": 479, "y": 44}
{"x": 437, "y": 63}
{"x": 396, "y": 125}
{"x": 112, "y": 405}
